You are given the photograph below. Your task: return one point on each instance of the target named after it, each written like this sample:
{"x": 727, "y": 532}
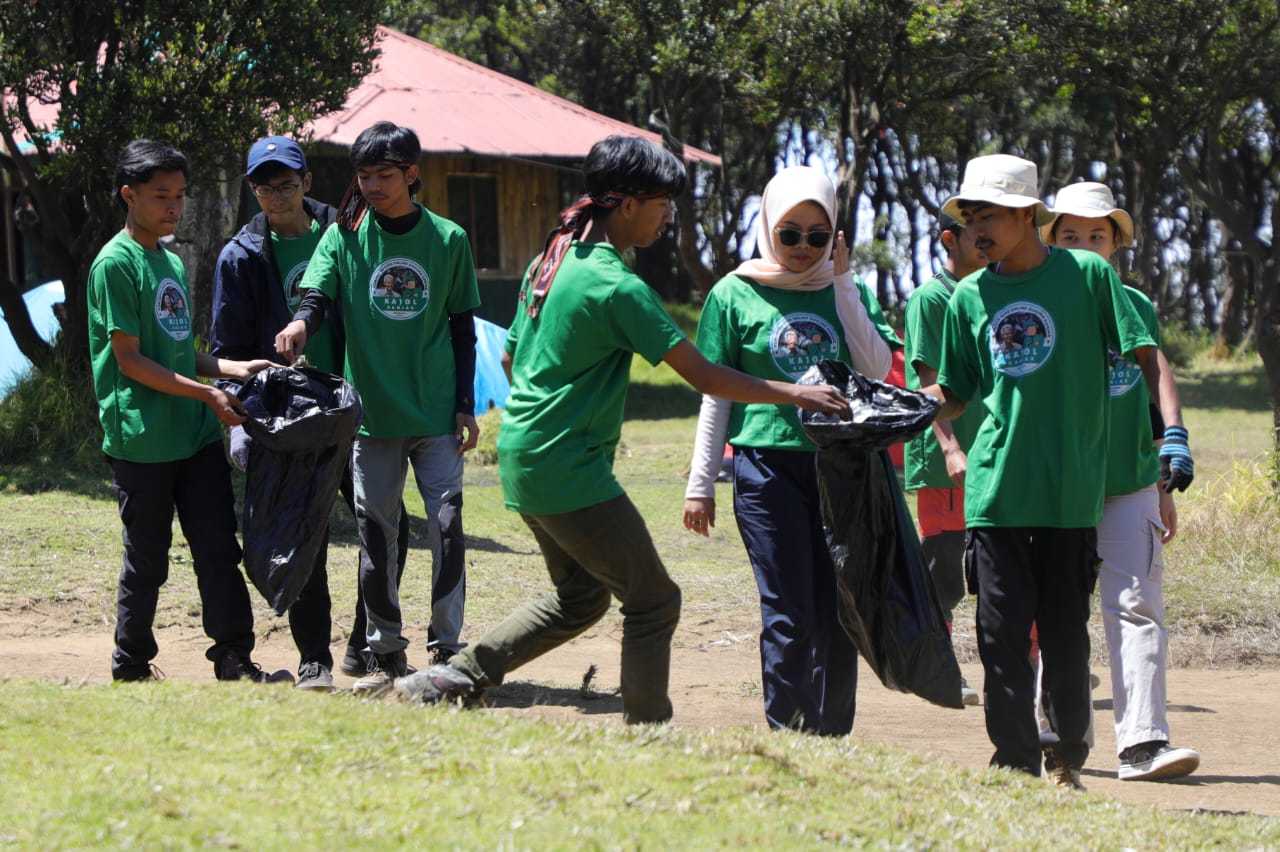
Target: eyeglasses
{"x": 284, "y": 192}
{"x": 792, "y": 237}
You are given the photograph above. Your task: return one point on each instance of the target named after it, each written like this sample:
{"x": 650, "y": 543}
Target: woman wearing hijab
{"x": 799, "y": 289}
{"x": 1138, "y": 515}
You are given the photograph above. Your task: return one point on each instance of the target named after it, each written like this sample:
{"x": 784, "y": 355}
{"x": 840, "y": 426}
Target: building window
{"x": 473, "y": 204}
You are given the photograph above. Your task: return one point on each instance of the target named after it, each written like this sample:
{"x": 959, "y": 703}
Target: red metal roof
{"x": 459, "y": 107}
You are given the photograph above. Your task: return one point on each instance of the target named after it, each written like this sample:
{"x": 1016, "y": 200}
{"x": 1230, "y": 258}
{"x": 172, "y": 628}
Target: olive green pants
{"x": 592, "y": 554}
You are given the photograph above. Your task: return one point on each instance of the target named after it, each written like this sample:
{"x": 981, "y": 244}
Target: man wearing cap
{"x": 934, "y": 461}
{"x": 1033, "y": 490}
{"x": 255, "y": 291}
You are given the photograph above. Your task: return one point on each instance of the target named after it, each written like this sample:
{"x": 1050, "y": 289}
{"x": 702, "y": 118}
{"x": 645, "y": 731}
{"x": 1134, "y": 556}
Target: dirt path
{"x": 1227, "y": 714}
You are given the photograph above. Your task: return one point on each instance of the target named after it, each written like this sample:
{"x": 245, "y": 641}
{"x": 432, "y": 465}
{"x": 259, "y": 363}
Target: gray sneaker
{"x": 968, "y": 695}
{"x": 1157, "y": 761}
{"x": 383, "y": 670}
{"x": 436, "y": 684}
{"x": 314, "y": 676}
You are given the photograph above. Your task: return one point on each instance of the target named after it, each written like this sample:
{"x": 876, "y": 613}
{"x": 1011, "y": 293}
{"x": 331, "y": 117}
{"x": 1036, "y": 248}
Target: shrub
{"x": 1182, "y": 344}
{"x": 50, "y": 417}
{"x": 486, "y": 451}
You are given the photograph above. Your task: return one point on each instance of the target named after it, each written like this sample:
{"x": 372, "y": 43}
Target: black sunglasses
{"x": 792, "y": 236}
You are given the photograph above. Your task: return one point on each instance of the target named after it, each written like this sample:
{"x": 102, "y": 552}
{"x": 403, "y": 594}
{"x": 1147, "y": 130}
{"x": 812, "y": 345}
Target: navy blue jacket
{"x": 249, "y": 308}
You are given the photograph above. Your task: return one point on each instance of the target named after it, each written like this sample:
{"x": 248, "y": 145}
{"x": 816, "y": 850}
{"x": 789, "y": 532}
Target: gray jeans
{"x": 379, "y": 467}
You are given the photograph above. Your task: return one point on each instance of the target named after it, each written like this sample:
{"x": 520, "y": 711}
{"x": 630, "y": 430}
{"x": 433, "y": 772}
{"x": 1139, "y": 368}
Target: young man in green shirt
{"x": 1033, "y": 491}
{"x": 160, "y": 425}
{"x": 934, "y": 460}
{"x": 581, "y": 316}
{"x": 403, "y": 283}
{"x": 255, "y": 292}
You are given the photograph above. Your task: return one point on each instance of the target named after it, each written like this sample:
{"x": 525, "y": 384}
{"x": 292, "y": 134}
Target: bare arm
{"x": 144, "y": 371}
{"x": 1160, "y": 383}
{"x": 955, "y": 457}
{"x": 506, "y": 364}
{"x": 952, "y": 405}
{"x": 730, "y": 384}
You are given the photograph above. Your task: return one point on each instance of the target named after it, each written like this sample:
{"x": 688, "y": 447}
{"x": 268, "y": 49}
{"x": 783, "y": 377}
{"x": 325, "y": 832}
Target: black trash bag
{"x": 885, "y": 597}
{"x": 881, "y": 414}
{"x": 302, "y": 422}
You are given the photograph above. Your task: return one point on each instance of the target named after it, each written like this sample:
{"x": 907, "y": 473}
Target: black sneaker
{"x": 315, "y": 676}
{"x": 150, "y": 672}
{"x": 383, "y": 670}
{"x": 355, "y": 662}
{"x": 438, "y": 655}
{"x": 231, "y": 666}
{"x": 437, "y": 684}
{"x": 1157, "y": 761}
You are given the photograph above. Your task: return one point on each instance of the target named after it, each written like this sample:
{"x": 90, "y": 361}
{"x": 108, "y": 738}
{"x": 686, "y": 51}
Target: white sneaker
{"x": 1157, "y": 761}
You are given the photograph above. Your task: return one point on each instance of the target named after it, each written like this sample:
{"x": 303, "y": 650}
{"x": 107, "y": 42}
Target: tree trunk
{"x": 1267, "y": 336}
{"x": 18, "y": 318}
{"x": 1239, "y": 283}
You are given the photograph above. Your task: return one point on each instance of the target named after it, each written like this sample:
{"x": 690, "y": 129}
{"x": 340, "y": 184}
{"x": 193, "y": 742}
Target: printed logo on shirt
{"x": 172, "y": 313}
{"x": 798, "y": 341}
{"x": 398, "y": 288}
{"x": 292, "y": 295}
{"x": 1124, "y": 375}
{"x": 1022, "y": 338}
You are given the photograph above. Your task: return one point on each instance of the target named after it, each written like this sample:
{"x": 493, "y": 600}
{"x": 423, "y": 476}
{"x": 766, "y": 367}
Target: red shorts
{"x": 940, "y": 510}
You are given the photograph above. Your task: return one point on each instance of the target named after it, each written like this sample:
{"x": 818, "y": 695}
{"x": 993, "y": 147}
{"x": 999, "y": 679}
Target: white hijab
{"x": 790, "y": 187}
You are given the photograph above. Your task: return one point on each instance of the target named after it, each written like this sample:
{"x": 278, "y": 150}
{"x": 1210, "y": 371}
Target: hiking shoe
{"x": 1157, "y": 761}
{"x": 231, "y": 666}
{"x": 383, "y": 670}
{"x": 355, "y": 662}
{"x": 968, "y": 695}
{"x": 1066, "y": 778}
{"x": 150, "y": 672}
{"x": 438, "y": 655}
{"x": 314, "y": 676}
{"x": 436, "y": 684}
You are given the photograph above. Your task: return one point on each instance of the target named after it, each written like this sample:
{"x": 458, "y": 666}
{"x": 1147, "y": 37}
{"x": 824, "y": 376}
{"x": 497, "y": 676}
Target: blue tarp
{"x": 492, "y": 386}
{"x": 40, "y": 301}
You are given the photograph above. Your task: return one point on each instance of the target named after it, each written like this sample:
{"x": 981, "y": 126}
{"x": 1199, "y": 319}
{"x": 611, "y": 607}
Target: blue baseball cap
{"x": 276, "y": 149}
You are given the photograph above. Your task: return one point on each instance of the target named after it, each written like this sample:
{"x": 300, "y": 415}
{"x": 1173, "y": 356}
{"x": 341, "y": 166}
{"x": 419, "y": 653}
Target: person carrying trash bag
{"x": 775, "y": 317}
{"x": 1027, "y": 338}
{"x": 302, "y": 423}
{"x": 887, "y": 601}
{"x": 255, "y": 292}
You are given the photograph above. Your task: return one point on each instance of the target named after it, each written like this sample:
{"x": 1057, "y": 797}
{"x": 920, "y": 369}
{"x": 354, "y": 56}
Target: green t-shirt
{"x": 143, "y": 293}
{"x": 571, "y": 367}
{"x": 876, "y": 314}
{"x": 396, "y": 293}
{"x": 923, "y": 463}
{"x": 772, "y": 334}
{"x": 1133, "y": 460}
{"x": 292, "y": 254}
{"x": 1032, "y": 349}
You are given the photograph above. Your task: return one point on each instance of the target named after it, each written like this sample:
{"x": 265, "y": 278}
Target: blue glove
{"x": 1177, "y": 468}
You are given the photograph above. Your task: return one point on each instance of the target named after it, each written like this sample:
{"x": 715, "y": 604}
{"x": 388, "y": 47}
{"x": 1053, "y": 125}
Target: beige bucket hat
{"x": 1092, "y": 201}
{"x": 1002, "y": 180}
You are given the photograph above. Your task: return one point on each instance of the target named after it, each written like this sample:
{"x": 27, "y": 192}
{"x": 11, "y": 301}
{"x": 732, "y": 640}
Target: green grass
{"x": 177, "y": 765}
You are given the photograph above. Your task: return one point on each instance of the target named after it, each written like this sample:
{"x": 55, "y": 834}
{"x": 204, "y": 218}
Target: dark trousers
{"x": 592, "y": 554}
{"x": 359, "y": 623}
{"x": 809, "y": 664}
{"x": 944, "y": 555}
{"x": 199, "y": 488}
{"x": 1040, "y": 575}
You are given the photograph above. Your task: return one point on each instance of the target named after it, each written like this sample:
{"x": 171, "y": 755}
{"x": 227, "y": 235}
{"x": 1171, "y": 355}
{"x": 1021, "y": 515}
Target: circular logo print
{"x": 398, "y": 288}
{"x": 1022, "y": 338}
{"x": 798, "y": 341}
{"x": 172, "y": 312}
{"x": 292, "y": 295}
{"x": 1122, "y": 373}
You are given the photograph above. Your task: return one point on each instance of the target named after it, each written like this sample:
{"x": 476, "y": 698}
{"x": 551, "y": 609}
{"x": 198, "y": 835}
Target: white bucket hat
{"x": 1092, "y": 201}
{"x": 1002, "y": 180}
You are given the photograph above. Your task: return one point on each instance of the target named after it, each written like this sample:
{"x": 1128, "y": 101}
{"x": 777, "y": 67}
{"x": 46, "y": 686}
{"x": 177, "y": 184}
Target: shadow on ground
{"x": 520, "y": 694}
{"x": 1242, "y": 390}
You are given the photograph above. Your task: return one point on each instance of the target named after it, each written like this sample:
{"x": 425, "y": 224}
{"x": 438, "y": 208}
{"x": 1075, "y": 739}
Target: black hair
{"x": 141, "y": 159}
{"x": 1115, "y": 230}
{"x": 378, "y": 144}
{"x": 975, "y": 206}
{"x": 629, "y": 165}
{"x": 272, "y": 170}
{"x": 949, "y": 225}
